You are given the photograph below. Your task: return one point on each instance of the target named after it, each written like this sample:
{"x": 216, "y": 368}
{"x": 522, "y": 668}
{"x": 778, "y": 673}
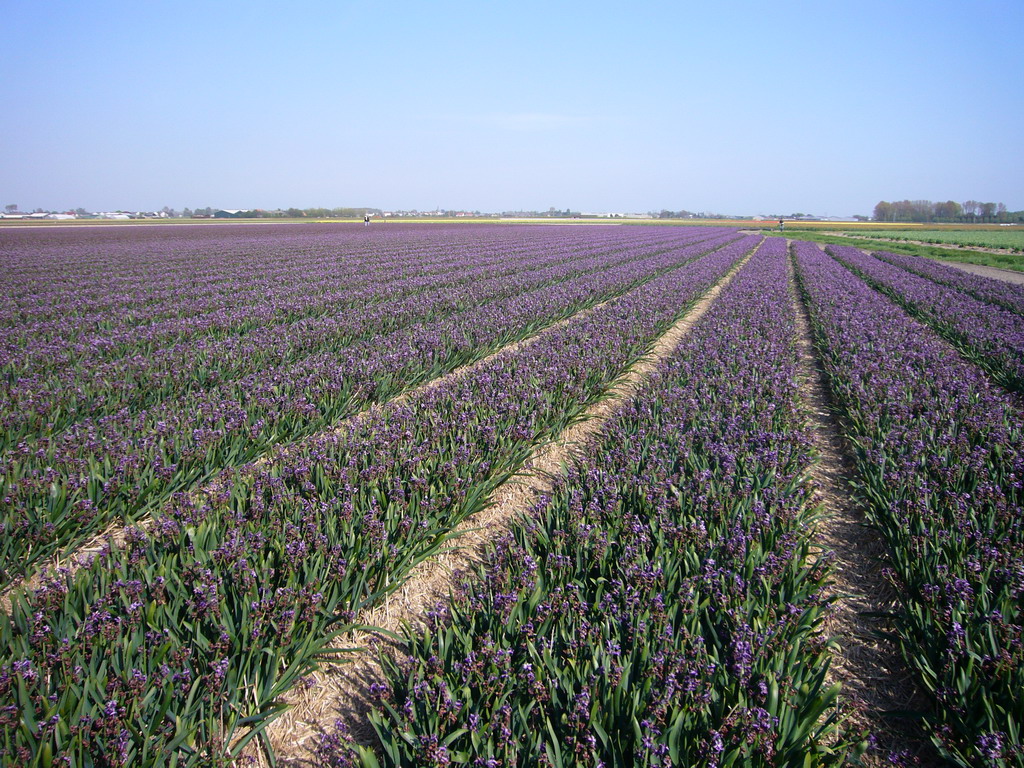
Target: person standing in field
{"x": 782, "y": 225}
{"x": 366, "y": 220}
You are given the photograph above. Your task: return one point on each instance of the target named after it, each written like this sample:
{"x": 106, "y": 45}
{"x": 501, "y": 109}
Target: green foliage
{"x": 1012, "y": 261}
{"x": 1010, "y": 237}
{"x": 663, "y": 606}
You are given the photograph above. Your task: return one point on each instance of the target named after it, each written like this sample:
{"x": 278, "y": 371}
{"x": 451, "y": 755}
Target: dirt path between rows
{"x": 996, "y": 273}
{"x": 341, "y": 692}
{"x": 870, "y": 667}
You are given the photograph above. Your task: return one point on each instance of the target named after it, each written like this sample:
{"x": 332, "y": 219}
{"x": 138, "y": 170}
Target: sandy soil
{"x": 868, "y": 664}
{"x": 998, "y": 273}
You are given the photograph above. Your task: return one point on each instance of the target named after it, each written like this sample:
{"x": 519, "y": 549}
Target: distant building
{"x": 234, "y": 213}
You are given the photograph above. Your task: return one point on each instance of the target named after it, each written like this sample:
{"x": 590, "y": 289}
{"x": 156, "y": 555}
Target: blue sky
{"x": 729, "y": 107}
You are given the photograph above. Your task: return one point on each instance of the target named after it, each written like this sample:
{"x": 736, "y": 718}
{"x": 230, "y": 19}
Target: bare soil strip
{"x": 342, "y": 691}
{"x": 867, "y": 660}
{"x": 997, "y": 273}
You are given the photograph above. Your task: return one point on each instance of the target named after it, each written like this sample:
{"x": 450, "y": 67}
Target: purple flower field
{"x": 234, "y": 420}
{"x": 940, "y": 449}
{"x": 990, "y": 334}
{"x": 110, "y": 437}
{"x": 1007, "y": 295}
{"x": 666, "y": 583}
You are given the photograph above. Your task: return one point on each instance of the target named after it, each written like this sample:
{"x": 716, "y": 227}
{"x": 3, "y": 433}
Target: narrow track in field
{"x": 996, "y": 273}
{"x": 867, "y": 661}
{"x": 342, "y": 692}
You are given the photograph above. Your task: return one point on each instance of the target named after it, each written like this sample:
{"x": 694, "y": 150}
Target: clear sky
{"x": 820, "y": 107}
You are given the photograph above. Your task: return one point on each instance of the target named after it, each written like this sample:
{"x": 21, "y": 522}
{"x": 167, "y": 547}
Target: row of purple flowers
{"x": 1005, "y": 294}
{"x": 106, "y": 280}
{"x": 940, "y": 451}
{"x": 231, "y": 296}
{"x": 663, "y": 606}
{"x": 991, "y": 336}
{"x": 62, "y": 394}
{"x": 61, "y": 489}
{"x": 177, "y": 645}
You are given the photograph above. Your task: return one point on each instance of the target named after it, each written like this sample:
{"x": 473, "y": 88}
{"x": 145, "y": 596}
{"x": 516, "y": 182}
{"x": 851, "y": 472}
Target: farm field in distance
{"x": 985, "y": 245}
{"x": 228, "y": 451}
{"x": 1010, "y": 238}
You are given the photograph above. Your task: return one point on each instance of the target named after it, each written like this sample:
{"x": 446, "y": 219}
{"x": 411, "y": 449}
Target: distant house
{"x": 236, "y": 213}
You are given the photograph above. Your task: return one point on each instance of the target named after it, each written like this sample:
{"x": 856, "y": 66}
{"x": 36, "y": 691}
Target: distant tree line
{"x": 324, "y": 213}
{"x": 288, "y": 213}
{"x": 550, "y": 213}
{"x": 970, "y": 211}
